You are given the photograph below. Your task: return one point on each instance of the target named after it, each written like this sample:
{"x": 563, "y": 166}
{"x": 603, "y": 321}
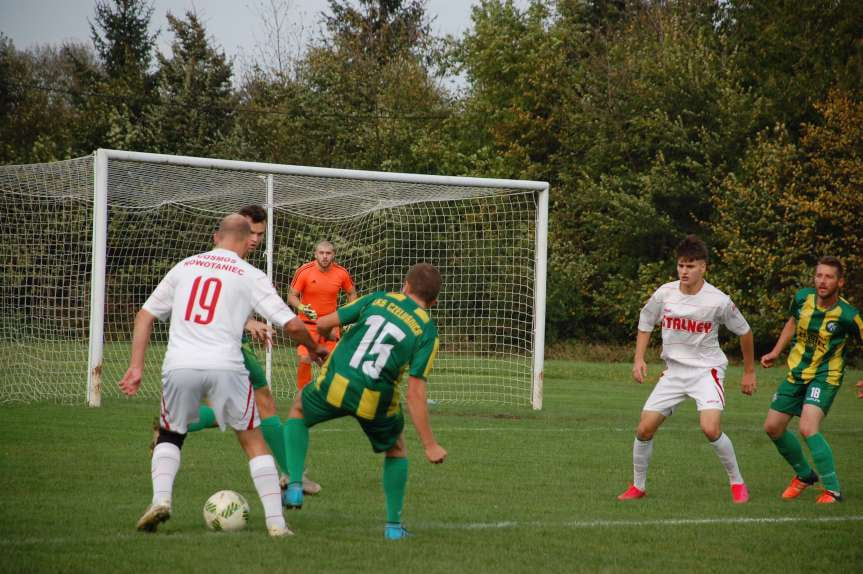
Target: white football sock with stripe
{"x": 725, "y": 451}
{"x": 642, "y": 450}
{"x": 163, "y": 469}
{"x": 266, "y": 479}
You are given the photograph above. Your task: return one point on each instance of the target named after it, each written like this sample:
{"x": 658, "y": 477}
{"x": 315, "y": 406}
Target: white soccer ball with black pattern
{"x": 226, "y": 511}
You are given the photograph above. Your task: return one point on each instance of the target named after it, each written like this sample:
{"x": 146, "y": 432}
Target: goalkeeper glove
{"x": 307, "y": 310}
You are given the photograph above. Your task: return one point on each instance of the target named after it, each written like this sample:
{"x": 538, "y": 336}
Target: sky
{"x": 235, "y": 25}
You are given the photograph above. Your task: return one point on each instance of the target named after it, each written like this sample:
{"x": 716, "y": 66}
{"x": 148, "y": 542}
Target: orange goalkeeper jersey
{"x": 320, "y": 289}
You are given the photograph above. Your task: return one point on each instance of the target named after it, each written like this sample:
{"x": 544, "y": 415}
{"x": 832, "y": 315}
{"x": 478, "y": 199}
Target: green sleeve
{"x": 351, "y": 312}
{"x": 424, "y": 356}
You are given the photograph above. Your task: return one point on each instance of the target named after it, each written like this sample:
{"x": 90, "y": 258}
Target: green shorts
{"x": 382, "y": 432}
{"x": 790, "y": 398}
{"x": 256, "y": 372}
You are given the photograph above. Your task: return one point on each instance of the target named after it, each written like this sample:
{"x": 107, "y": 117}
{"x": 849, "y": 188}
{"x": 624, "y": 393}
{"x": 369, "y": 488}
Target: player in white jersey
{"x": 208, "y": 298}
{"x": 690, "y": 312}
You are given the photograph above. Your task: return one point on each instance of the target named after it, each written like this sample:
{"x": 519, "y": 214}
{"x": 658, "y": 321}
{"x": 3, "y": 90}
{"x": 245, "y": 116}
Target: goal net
{"x": 85, "y": 241}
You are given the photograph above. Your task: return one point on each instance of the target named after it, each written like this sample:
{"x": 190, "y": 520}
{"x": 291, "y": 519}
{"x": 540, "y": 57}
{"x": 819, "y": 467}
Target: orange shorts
{"x": 313, "y": 331}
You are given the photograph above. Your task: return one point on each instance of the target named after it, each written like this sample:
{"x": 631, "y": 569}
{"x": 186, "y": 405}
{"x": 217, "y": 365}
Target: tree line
{"x": 739, "y": 120}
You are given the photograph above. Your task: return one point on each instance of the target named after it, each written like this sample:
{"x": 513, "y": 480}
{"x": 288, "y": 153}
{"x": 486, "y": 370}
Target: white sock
{"x": 266, "y": 479}
{"x": 725, "y": 451}
{"x": 163, "y": 470}
{"x": 642, "y": 450}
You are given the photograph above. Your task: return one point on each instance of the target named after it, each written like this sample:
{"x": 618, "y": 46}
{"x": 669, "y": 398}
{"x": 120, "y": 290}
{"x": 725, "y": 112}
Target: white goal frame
{"x": 102, "y": 157}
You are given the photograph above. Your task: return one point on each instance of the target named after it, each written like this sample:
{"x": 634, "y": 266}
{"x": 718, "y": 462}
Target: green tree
{"x": 653, "y": 117}
{"x": 792, "y": 53}
{"x": 194, "y": 87}
{"x": 790, "y": 204}
{"x": 124, "y": 93}
{"x": 40, "y": 117}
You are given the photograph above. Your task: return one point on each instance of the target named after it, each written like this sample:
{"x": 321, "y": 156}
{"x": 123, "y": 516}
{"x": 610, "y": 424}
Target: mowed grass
{"x": 521, "y": 491}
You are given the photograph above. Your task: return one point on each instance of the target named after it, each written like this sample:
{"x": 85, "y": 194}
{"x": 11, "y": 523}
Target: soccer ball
{"x": 226, "y": 511}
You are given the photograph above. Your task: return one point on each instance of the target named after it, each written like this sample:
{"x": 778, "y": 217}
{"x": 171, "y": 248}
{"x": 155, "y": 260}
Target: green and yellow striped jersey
{"x": 818, "y": 347}
{"x": 390, "y": 334}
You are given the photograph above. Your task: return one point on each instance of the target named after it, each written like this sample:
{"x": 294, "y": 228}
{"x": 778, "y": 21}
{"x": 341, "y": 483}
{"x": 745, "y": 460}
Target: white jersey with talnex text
{"x": 208, "y": 298}
{"x": 690, "y": 324}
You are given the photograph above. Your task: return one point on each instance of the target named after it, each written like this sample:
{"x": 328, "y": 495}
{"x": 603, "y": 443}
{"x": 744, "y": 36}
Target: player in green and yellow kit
{"x": 391, "y": 333}
{"x": 821, "y": 323}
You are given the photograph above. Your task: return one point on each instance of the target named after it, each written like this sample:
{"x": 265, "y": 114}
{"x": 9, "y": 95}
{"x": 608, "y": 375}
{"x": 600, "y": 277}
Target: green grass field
{"x": 521, "y": 491}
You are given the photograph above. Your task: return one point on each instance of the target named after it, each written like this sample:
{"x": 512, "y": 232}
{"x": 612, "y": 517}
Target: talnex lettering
{"x": 688, "y": 325}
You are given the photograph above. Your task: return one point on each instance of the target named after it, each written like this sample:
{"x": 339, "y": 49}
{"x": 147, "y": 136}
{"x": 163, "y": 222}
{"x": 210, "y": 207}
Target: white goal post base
{"x": 88, "y": 239}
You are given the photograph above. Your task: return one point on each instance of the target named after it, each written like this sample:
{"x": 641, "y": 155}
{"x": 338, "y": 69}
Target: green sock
{"x": 790, "y": 448}
{"x": 206, "y": 419}
{"x": 395, "y": 480}
{"x": 823, "y": 457}
{"x": 296, "y": 444}
{"x": 271, "y": 427}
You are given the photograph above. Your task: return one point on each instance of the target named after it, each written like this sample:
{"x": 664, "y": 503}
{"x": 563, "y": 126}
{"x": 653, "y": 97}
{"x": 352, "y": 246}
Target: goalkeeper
{"x": 315, "y": 293}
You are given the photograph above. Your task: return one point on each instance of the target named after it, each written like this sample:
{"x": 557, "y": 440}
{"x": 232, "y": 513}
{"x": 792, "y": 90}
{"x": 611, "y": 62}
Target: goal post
{"x": 144, "y": 212}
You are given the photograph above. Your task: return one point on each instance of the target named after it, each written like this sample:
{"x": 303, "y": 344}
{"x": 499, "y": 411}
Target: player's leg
{"x": 788, "y": 402}
{"x": 182, "y": 391}
{"x": 262, "y": 468}
{"x": 707, "y": 387}
{"x": 664, "y": 398}
{"x": 234, "y": 404}
{"x": 642, "y": 451}
{"x": 206, "y": 419}
{"x": 304, "y": 364}
{"x": 819, "y": 398}
{"x": 386, "y": 434}
{"x": 710, "y": 420}
{"x": 296, "y": 435}
{"x": 395, "y": 479}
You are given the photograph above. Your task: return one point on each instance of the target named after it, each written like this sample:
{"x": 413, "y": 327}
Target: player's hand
{"x": 768, "y": 359}
{"x": 748, "y": 384}
{"x": 639, "y": 370}
{"x": 860, "y": 389}
{"x": 435, "y": 453}
{"x": 307, "y": 310}
{"x": 131, "y": 381}
{"x": 260, "y": 332}
{"x": 319, "y": 354}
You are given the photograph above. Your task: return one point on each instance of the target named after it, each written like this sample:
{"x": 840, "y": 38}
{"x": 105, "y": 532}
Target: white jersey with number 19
{"x": 208, "y": 298}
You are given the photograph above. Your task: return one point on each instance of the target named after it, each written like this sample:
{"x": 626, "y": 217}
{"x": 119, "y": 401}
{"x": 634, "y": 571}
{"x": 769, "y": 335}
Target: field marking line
{"x": 639, "y": 523}
{"x": 185, "y": 536}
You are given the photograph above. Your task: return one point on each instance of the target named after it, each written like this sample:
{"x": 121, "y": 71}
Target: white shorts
{"x": 705, "y": 385}
{"x": 230, "y": 395}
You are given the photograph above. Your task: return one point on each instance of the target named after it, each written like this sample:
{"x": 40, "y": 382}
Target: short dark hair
{"x": 692, "y": 248}
{"x": 425, "y": 281}
{"x": 835, "y": 263}
{"x": 254, "y": 212}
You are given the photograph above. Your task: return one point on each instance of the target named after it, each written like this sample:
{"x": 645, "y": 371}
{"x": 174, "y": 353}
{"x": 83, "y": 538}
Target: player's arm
{"x": 294, "y": 301}
{"x": 327, "y": 323}
{"x": 747, "y": 347}
{"x": 860, "y": 389}
{"x": 785, "y": 337}
{"x": 344, "y": 315}
{"x": 417, "y": 401}
{"x": 351, "y": 294}
{"x": 639, "y": 366}
{"x": 259, "y": 331}
{"x": 296, "y": 330}
{"x": 268, "y": 304}
{"x": 131, "y": 381}
{"x": 647, "y": 319}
